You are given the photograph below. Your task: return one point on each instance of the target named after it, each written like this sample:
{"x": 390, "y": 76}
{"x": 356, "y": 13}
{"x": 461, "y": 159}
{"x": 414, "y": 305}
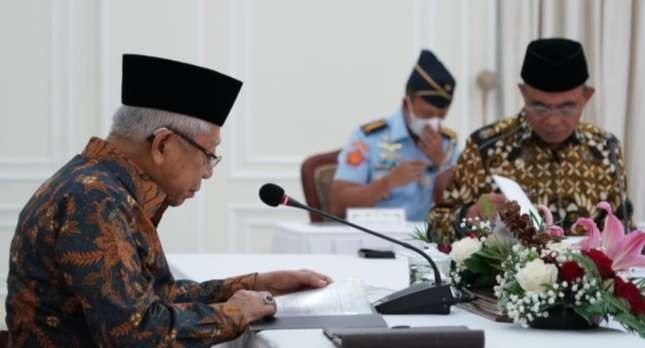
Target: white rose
{"x": 535, "y": 274}
{"x": 462, "y": 249}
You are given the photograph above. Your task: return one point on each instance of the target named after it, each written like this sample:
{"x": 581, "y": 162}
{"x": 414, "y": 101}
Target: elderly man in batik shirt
{"x": 560, "y": 162}
{"x": 87, "y": 268}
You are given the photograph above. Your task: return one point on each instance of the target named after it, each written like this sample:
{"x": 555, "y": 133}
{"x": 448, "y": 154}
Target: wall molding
{"x": 200, "y": 54}
{"x": 246, "y": 165}
{"x": 246, "y": 219}
{"x": 63, "y": 24}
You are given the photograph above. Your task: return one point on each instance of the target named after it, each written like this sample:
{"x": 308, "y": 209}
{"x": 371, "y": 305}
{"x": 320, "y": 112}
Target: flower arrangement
{"x": 478, "y": 256}
{"x": 547, "y": 277}
{"x": 537, "y": 277}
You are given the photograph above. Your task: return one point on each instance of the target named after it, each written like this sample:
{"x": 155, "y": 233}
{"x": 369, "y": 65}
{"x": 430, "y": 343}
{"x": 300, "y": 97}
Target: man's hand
{"x": 476, "y": 210}
{"x": 253, "y": 304}
{"x": 431, "y": 144}
{"x": 406, "y": 172}
{"x": 284, "y": 282}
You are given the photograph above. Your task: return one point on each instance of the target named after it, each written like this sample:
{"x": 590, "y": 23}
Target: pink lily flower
{"x": 624, "y": 249}
{"x": 553, "y": 230}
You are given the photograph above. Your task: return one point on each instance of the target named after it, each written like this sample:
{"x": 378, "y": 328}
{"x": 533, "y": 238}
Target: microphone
{"x": 420, "y": 298}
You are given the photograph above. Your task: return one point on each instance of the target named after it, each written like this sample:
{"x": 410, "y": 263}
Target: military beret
{"x": 554, "y": 65}
{"x": 431, "y": 80}
{"x": 178, "y": 87}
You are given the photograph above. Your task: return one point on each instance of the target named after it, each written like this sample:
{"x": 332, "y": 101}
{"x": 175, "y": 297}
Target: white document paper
{"x": 513, "y": 192}
{"x": 339, "y": 298}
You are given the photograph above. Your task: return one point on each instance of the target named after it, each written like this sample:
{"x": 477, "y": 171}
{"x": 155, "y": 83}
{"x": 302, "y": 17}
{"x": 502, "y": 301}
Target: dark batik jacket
{"x": 586, "y": 170}
{"x": 87, "y": 268}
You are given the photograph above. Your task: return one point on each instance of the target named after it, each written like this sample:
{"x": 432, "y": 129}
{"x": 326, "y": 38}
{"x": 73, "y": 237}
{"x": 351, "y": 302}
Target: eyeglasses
{"x": 211, "y": 158}
{"x": 543, "y": 110}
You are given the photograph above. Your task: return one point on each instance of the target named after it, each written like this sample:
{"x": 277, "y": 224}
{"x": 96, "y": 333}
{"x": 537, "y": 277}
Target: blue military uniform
{"x": 377, "y": 147}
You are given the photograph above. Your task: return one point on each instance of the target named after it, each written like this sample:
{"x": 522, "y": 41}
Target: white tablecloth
{"x": 333, "y": 238}
{"x": 382, "y": 273}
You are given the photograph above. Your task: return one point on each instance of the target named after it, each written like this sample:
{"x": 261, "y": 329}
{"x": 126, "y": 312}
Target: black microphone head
{"x": 271, "y": 194}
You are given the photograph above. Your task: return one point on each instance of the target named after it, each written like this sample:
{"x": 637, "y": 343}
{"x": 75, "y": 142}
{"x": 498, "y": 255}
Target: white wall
{"x": 313, "y": 71}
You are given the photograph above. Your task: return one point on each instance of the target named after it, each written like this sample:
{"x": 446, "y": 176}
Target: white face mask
{"x": 417, "y": 124}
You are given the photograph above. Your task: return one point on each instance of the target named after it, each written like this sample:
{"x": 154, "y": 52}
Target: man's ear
{"x": 159, "y": 141}
{"x": 522, "y": 88}
{"x": 404, "y": 104}
{"x": 588, "y": 92}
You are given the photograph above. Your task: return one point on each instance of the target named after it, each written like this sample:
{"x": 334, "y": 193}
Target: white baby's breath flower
{"x": 558, "y": 247}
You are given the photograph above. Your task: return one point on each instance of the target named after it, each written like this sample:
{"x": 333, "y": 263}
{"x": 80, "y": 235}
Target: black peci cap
{"x": 554, "y": 65}
{"x": 178, "y": 87}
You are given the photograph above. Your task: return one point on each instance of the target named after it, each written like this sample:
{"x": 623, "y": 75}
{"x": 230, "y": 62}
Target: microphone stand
{"x": 420, "y": 298}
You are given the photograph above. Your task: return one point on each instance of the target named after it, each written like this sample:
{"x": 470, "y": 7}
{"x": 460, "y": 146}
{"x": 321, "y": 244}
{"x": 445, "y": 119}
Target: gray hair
{"x": 137, "y": 123}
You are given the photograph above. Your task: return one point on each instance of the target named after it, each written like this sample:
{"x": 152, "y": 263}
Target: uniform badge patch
{"x": 355, "y": 158}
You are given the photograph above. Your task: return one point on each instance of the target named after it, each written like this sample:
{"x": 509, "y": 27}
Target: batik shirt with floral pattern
{"x": 87, "y": 268}
{"x": 587, "y": 169}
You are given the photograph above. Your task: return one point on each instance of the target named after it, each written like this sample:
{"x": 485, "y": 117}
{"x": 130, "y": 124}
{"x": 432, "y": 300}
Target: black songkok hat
{"x": 177, "y": 87}
{"x": 431, "y": 80}
{"x": 554, "y": 65}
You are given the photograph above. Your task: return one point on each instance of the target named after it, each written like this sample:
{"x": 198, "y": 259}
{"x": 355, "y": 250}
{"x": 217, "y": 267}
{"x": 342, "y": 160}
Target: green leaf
{"x": 537, "y": 221}
{"x": 419, "y": 233}
{"x": 477, "y": 264}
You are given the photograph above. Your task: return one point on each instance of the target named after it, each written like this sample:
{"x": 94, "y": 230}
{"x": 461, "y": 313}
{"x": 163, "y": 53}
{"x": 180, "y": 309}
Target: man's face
{"x": 554, "y": 115}
{"x": 180, "y": 166}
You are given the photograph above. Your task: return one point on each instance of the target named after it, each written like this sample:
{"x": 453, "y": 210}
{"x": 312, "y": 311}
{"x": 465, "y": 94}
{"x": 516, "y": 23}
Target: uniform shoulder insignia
{"x": 374, "y": 126}
{"x": 449, "y": 133}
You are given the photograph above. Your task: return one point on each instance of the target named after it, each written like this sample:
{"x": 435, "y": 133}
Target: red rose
{"x": 445, "y": 248}
{"x": 602, "y": 261}
{"x": 570, "y": 271}
{"x": 631, "y": 293}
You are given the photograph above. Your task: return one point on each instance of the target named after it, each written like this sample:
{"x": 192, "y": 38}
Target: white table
{"x": 382, "y": 273}
{"x": 333, "y": 238}
{"x": 203, "y": 267}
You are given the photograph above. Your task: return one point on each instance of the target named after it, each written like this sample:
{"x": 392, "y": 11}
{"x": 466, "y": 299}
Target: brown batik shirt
{"x": 87, "y": 268}
{"x": 571, "y": 181}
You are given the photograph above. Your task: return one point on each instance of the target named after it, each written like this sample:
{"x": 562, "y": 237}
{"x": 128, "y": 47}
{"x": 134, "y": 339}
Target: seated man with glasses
{"x": 86, "y": 264}
{"x": 559, "y": 161}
